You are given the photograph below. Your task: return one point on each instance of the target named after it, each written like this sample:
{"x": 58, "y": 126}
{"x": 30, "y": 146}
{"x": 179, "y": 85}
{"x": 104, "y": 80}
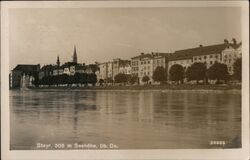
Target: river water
{"x": 124, "y": 119}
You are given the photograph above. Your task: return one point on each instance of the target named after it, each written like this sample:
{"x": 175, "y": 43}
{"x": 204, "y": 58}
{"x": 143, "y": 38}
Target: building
{"x": 145, "y": 64}
{"x": 225, "y": 53}
{"x": 23, "y": 71}
{"x": 103, "y": 71}
{"x": 121, "y": 66}
{"x": 135, "y": 65}
{"x": 229, "y": 56}
{"x": 47, "y": 70}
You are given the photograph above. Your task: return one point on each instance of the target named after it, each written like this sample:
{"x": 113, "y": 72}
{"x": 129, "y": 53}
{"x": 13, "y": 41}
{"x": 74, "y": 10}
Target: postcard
{"x": 125, "y": 80}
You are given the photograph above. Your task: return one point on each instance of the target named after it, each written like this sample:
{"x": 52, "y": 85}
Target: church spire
{"x": 74, "y": 55}
{"x": 58, "y": 61}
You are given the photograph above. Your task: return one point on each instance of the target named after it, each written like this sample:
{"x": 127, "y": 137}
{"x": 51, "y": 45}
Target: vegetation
{"x": 237, "y": 69}
{"x": 64, "y": 79}
{"x": 196, "y": 71}
{"x": 218, "y": 71}
{"x": 134, "y": 79}
{"x": 92, "y": 79}
{"x": 176, "y": 73}
{"x": 145, "y": 79}
{"x": 121, "y": 78}
{"x": 101, "y": 81}
{"x": 160, "y": 74}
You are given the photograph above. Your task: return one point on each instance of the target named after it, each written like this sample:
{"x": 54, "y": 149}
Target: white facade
{"x": 208, "y": 59}
{"x": 185, "y": 63}
{"x": 145, "y": 69}
{"x": 103, "y": 72}
{"x": 125, "y": 69}
{"x": 229, "y": 56}
{"x": 110, "y": 69}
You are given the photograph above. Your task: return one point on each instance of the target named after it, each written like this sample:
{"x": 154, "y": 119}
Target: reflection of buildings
{"x": 23, "y": 75}
{"x": 146, "y": 107}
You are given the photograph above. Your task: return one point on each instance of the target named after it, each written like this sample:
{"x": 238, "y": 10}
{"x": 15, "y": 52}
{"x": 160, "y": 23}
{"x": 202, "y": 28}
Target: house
{"x": 145, "y": 64}
{"x": 29, "y": 71}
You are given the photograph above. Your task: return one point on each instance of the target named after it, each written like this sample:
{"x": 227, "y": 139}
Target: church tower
{"x": 58, "y": 61}
{"x": 74, "y": 55}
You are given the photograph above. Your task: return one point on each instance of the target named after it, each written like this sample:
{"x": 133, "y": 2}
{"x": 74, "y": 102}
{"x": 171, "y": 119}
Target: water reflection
{"x": 130, "y": 119}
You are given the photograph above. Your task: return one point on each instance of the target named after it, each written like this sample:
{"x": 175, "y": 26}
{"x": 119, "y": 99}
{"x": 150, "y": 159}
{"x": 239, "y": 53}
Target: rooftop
{"x": 201, "y": 50}
{"x": 27, "y": 67}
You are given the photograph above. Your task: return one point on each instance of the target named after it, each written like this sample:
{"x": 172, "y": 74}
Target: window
{"x": 225, "y": 56}
{"x": 211, "y": 56}
{"x": 229, "y": 68}
{"x": 148, "y": 62}
{"x": 216, "y": 56}
{"x": 205, "y": 57}
{"x": 195, "y": 58}
{"x": 211, "y": 62}
{"x": 141, "y": 62}
{"x": 199, "y": 58}
{"x": 229, "y": 61}
{"x": 148, "y": 73}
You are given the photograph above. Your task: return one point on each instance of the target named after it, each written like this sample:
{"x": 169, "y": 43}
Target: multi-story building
{"x": 135, "y": 65}
{"x": 125, "y": 68}
{"x": 29, "y": 71}
{"x": 121, "y": 66}
{"x": 110, "y": 70}
{"x": 229, "y": 56}
{"x": 146, "y": 67}
{"x": 103, "y": 71}
{"x": 225, "y": 53}
{"x": 145, "y": 64}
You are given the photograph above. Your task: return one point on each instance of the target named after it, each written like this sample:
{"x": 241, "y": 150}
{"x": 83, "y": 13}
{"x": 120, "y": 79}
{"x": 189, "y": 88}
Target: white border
{"x": 237, "y": 154}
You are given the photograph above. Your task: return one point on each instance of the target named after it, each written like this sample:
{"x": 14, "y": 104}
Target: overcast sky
{"x": 102, "y": 34}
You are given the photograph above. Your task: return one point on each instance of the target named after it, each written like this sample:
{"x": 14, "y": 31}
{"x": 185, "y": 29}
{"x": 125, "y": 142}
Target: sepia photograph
{"x": 125, "y": 80}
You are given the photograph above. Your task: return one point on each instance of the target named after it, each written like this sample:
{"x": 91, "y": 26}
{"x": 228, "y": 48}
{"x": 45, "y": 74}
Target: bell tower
{"x": 75, "y": 55}
{"x": 58, "y": 61}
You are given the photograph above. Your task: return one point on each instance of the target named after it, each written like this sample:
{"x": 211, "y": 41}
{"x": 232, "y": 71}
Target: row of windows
{"x": 145, "y": 73}
{"x": 230, "y": 56}
{"x": 205, "y": 57}
{"x": 145, "y": 62}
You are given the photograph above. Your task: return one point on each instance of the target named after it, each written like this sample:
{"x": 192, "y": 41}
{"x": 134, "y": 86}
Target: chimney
{"x": 142, "y": 54}
{"x": 201, "y": 45}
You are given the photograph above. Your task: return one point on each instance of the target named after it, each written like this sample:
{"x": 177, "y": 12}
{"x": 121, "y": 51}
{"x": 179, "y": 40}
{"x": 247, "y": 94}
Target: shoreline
{"x": 146, "y": 87}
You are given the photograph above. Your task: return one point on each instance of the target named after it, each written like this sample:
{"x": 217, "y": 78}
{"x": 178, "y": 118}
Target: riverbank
{"x": 149, "y": 87}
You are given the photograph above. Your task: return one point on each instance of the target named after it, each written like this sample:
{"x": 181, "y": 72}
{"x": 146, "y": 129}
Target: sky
{"x": 38, "y": 36}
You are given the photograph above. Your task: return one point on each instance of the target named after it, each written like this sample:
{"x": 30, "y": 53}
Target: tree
{"x": 196, "y": 71}
{"x": 120, "y": 78}
{"x": 145, "y": 79}
{"x": 159, "y": 74}
{"x": 83, "y": 78}
{"x": 101, "y": 81}
{"x": 237, "y": 67}
{"x": 92, "y": 79}
{"x": 218, "y": 71}
{"x": 133, "y": 79}
{"x": 176, "y": 73}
